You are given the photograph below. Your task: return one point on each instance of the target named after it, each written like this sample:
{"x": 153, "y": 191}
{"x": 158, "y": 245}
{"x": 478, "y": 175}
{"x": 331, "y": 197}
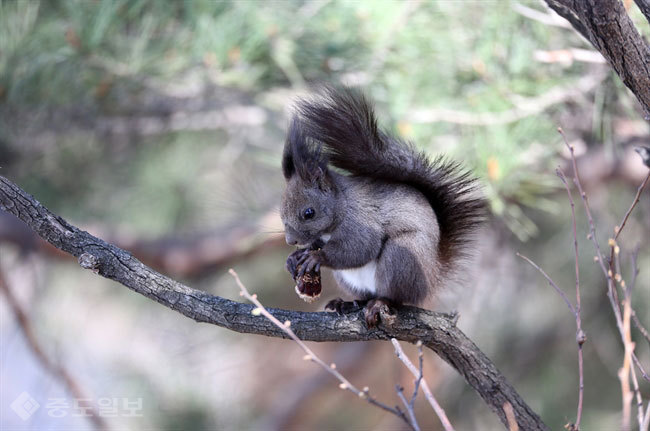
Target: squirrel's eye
{"x": 308, "y": 213}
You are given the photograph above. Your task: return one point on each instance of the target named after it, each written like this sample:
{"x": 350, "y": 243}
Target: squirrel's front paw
{"x": 309, "y": 262}
{"x": 293, "y": 261}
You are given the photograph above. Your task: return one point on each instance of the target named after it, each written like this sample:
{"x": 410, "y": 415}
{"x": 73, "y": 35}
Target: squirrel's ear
{"x": 306, "y": 158}
{"x": 322, "y": 178}
{"x": 291, "y": 155}
{"x": 288, "y": 166}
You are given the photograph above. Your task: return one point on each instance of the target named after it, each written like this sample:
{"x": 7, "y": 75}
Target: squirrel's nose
{"x": 291, "y": 240}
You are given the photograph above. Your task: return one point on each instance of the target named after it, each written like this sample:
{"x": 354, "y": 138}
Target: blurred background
{"x": 159, "y": 126}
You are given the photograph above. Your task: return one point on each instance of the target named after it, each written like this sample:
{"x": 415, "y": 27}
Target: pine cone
{"x": 308, "y": 287}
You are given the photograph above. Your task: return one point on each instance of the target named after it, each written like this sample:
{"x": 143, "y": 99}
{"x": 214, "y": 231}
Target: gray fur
{"x": 396, "y": 215}
{"x": 368, "y": 220}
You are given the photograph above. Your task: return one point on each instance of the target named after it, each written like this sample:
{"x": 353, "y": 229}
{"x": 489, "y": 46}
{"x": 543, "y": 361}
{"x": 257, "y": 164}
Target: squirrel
{"x": 391, "y": 223}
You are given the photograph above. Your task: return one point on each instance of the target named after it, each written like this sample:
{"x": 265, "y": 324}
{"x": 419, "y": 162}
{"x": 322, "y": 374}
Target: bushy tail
{"x": 344, "y": 123}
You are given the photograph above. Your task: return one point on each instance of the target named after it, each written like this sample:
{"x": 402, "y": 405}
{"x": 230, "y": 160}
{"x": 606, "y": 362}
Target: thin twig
{"x": 551, "y": 282}
{"x": 630, "y": 289}
{"x": 619, "y": 228}
{"x": 613, "y": 253}
{"x": 635, "y": 270}
{"x": 646, "y": 421}
{"x": 311, "y": 356}
{"x": 627, "y": 370}
{"x": 638, "y": 364}
{"x": 408, "y": 406}
{"x": 612, "y": 294}
{"x": 635, "y": 319}
{"x": 580, "y": 335}
{"x": 623, "y": 325}
{"x": 640, "y": 327}
{"x": 425, "y": 387}
{"x": 57, "y": 370}
{"x": 592, "y": 235}
{"x": 624, "y": 372}
{"x": 418, "y": 380}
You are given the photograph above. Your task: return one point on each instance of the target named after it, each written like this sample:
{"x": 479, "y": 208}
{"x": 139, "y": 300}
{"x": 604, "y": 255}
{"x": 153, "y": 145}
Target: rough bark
{"x": 436, "y": 330}
{"x": 606, "y": 24}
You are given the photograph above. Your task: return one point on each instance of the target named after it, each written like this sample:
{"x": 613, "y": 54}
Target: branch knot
{"x": 89, "y": 261}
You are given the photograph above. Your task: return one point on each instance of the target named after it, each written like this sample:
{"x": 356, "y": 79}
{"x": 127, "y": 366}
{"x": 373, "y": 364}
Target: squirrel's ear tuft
{"x": 288, "y": 167}
{"x": 292, "y": 155}
{"x": 304, "y": 156}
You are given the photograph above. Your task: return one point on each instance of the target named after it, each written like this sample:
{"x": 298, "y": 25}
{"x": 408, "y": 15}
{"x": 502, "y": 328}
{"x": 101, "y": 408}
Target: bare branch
{"x": 619, "y": 228}
{"x": 640, "y": 327}
{"x": 409, "y": 408}
{"x": 311, "y": 356}
{"x": 436, "y": 330}
{"x": 612, "y": 293}
{"x": 627, "y": 371}
{"x": 606, "y": 24}
{"x": 580, "y": 335}
{"x": 551, "y": 282}
{"x": 622, "y": 321}
{"x": 418, "y": 380}
{"x": 638, "y": 364}
{"x": 425, "y": 387}
{"x": 646, "y": 420}
{"x": 611, "y": 288}
{"x": 570, "y": 15}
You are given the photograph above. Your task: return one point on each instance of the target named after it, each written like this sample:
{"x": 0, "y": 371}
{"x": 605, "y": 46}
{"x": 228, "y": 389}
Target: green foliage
{"x": 442, "y": 55}
{"x": 99, "y": 54}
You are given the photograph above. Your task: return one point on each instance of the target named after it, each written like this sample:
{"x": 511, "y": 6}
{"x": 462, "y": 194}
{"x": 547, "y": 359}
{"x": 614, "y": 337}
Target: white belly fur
{"x": 362, "y": 278}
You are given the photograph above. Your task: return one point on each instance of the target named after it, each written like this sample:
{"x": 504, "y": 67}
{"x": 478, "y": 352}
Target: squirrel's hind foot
{"x": 374, "y": 310}
{"x": 379, "y": 310}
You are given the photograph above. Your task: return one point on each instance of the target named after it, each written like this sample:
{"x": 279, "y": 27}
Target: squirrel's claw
{"x": 302, "y": 256}
{"x": 294, "y": 260}
{"x": 336, "y": 304}
{"x": 309, "y": 262}
{"x": 343, "y": 307}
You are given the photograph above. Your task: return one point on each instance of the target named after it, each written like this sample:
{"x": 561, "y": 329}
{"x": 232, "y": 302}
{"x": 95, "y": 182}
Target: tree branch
{"x": 606, "y": 24}
{"x": 436, "y": 330}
